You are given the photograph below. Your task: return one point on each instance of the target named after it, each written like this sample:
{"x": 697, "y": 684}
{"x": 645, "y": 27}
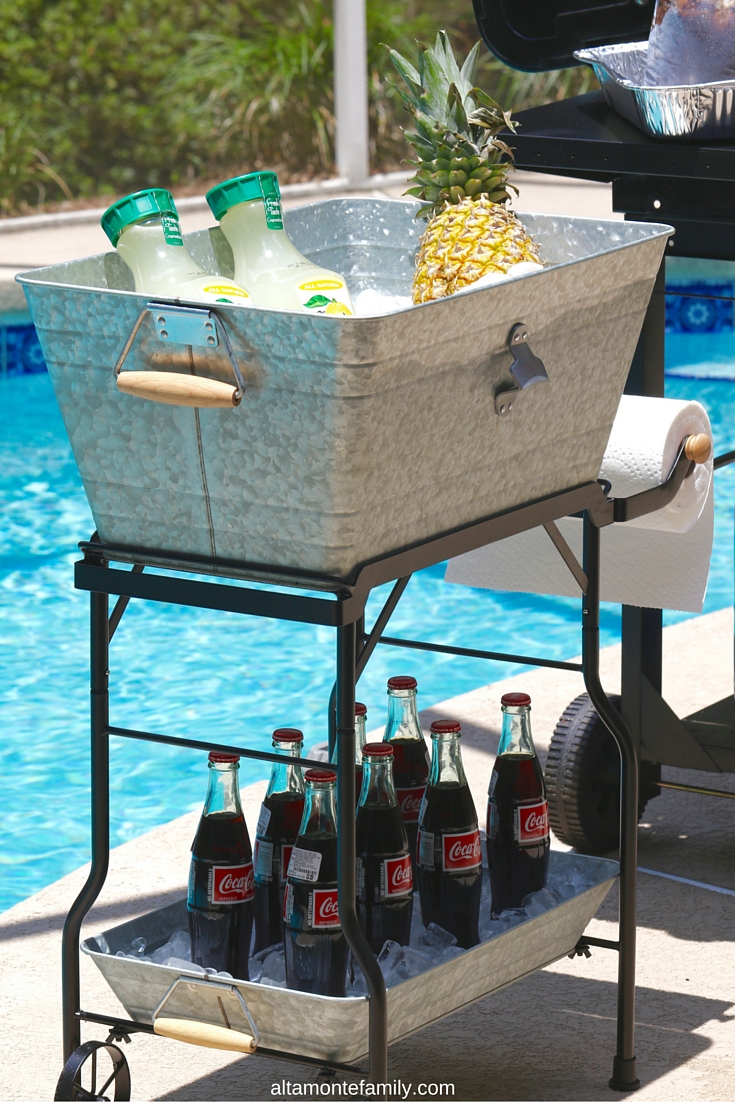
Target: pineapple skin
{"x": 466, "y": 241}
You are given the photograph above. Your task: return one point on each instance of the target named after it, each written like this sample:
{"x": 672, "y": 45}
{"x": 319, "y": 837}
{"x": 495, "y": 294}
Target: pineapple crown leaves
{"x": 455, "y": 121}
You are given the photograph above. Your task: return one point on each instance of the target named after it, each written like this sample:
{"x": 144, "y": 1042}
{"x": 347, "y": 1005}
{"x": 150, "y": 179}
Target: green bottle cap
{"x": 135, "y": 208}
{"x": 241, "y": 189}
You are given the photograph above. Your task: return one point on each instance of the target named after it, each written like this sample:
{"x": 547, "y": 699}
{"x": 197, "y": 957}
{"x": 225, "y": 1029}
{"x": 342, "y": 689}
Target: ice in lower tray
{"x": 336, "y": 1029}
{"x": 427, "y": 948}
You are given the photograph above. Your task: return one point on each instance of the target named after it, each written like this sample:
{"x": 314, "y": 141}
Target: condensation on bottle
{"x": 144, "y": 228}
{"x": 276, "y": 274}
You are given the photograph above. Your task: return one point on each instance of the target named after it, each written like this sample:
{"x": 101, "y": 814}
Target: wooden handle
{"x": 177, "y": 390}
{"x": 698, "y": 448}
{"x": 204, "y": 1034}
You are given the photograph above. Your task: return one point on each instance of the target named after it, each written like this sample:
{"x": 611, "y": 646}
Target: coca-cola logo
{"x": 325, "y": 907}
{"x": 232, "y": 884}
{"x": 409, "y": 801}
{"x": 398, "y": 876}
{"x": 533, "y": 823}
{"x": 462, "y": 851}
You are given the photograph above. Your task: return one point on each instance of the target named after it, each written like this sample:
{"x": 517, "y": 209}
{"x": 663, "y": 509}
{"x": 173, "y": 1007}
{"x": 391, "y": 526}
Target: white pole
{"x": 351, "y": 90}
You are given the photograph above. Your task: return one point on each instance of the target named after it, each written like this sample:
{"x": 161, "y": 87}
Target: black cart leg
{"x": 363, "y": 954}
{"x": 100, "y": 774}
{"x": 624, "y": 1076}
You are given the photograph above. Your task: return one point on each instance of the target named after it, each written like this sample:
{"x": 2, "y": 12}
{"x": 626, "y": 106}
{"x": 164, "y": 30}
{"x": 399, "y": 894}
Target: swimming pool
{"x": 206, "y": 674}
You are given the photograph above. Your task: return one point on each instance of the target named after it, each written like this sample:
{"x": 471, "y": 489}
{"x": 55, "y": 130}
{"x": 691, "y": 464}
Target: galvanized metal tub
{"x": 337, "y": 1029}
{"x": 356, "y": 437}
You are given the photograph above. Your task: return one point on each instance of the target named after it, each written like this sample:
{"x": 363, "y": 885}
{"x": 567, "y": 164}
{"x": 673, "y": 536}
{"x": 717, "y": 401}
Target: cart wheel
{"x": 93, "y": 1063}
{"x": 583, "y": 780}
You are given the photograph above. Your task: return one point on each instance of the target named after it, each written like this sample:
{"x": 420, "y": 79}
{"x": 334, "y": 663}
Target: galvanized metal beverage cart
{"x": 688, "y": 182}
{"x": 502, "y": 367}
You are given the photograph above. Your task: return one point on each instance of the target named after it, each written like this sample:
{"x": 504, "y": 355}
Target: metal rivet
{"x": 657, "y": 204}
{"x": 162, "y": 321}
{"x": 210, "y": 340}
{"x": 164, "y": 334}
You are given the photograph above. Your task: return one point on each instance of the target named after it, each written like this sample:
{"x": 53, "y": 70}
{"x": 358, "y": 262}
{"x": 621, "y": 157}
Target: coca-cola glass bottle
{"x": 384, "y": 876}
{"x": 360, "y": 726}
{"x": 316, "y": 948}
{"x": 410, "y": 756}
{"x": 518, "y": 840}
{"x": 278, "y": 825}
{"x": 220, "y": 896}
{"x": 449, "y": 850}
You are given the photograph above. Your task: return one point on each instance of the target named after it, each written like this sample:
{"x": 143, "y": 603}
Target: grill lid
{"x": 543, "y": 34}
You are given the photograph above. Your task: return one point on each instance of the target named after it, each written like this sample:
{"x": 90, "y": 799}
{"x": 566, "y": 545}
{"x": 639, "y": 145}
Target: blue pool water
{"x": 200, "y": 673}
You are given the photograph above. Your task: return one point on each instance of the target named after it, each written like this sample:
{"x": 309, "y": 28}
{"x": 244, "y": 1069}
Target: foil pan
{"x": 335, "y": 1029}
{"x": 702, "y": 112}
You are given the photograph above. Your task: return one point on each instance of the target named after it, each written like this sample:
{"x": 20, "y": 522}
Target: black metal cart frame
{"x": 690, "y": 186}
{"x": 335, "y": 603}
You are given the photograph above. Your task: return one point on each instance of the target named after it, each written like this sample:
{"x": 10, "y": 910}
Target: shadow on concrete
{"x": 110, "y": 913}
{"x": 550, "y": 1036}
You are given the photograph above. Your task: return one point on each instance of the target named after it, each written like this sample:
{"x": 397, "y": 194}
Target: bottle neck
{"x": 446, "y": 761}
{"x": 320, "y": 810}
{"x": 285, "y": 777}
{"x": 223, "y": 792}
{"x": 253, "y": 239}
{"x": 515, "y": 735}
{"x": 377, "y": 789}
{"x": 360, "y": 739}
{"x": 403, "y": 716}
{"x": 148, "y": 249}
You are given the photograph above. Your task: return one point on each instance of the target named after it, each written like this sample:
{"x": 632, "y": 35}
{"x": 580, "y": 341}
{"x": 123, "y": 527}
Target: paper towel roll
{"x": 643, "y": 446}
{"x": 637, "y": 567}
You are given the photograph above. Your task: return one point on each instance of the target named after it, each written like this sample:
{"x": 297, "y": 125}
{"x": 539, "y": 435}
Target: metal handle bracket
{"x": 526, "y": 369}
{"x": 197, "y": 327}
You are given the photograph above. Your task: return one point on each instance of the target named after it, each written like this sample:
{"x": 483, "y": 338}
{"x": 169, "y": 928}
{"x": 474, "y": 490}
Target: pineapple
{"x": 461, "y": 175}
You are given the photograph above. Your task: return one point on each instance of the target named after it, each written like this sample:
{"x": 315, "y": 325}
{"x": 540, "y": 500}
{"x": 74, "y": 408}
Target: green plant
{"x": 119, "y": 94}
{"x": 26, "y": 175}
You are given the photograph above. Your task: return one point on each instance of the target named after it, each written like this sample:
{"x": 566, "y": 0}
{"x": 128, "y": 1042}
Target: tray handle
{"x": 205, "y": 1034}
{"x": 186, "y": 325}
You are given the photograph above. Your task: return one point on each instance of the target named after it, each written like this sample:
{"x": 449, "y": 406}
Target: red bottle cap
{"x": 320, "y": 776}
{"x": 516, "y": 700}
{"x": 445, "y": 727}
{"x": 360, "y": 709}
{"x": 288, "y": 734}
{"x": 402, "y": 683}
{"x": 377, "y": 750}
{"x": 223, "y": 759}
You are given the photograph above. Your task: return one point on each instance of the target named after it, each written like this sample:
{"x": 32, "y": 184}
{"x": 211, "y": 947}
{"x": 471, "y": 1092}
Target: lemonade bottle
{"x": 144, "y": 228}
{"x": 276, "y": 273}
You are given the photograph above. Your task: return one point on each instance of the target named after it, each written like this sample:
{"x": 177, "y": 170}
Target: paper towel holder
{"x": 526, "y": 369}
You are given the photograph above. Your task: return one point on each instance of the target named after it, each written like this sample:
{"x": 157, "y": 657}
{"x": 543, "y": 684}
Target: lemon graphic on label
{"x": 338, "y": 308}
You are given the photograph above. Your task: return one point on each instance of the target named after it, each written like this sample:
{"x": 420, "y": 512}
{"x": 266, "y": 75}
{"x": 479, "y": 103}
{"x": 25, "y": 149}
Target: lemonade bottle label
{"x": 225, "y": 292}
{"x": 171, "y": 230}
{"x": 325, "y": 296}
{"x": 272, "y": 203}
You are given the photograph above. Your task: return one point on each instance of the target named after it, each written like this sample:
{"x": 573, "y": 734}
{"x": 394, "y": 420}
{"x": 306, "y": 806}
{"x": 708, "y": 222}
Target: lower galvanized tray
{"x": 337, "y": 1029}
